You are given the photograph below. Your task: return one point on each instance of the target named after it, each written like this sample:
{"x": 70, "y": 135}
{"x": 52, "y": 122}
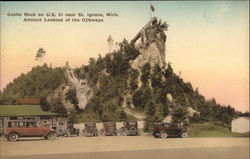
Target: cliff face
{"x": 83, "y": 90}
{"x": 151, "y": 50}
{"x": 152, "y": 45}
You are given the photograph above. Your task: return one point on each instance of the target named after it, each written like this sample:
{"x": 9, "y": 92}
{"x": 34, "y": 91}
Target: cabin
{"x": 28, "y": 101}
{"x": 240, "y": 125}
{"x": 10, "y": 114}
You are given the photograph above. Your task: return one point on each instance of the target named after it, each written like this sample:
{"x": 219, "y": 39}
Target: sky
{"x": 207, "y": 41}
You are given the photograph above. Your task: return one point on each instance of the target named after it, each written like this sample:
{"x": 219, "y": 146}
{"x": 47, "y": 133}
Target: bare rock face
{"x": 83, "y": 90}
{"x": 152, "y": 50}
{"x": 152, "y": 45}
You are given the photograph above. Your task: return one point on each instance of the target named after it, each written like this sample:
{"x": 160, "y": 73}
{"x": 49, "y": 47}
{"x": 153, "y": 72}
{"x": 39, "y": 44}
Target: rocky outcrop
{"x": 83, "y": 90}
{"x": 152, "y": 50}
{"x": 152, "y": 45}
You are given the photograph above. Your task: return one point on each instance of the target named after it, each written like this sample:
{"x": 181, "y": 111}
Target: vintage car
{"x": 71, "y": 131}
{"x": 109, "y": 129}
{"x": 164, "y": 130}
{"x": 67, "y": 131}
{"x": 22, "y": 128}
{"x": 90, "y": 129}
{"x": 129, "y": 128}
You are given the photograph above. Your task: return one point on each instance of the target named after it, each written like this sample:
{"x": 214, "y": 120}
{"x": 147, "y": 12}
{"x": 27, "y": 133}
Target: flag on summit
{"x": 152, "y": 8}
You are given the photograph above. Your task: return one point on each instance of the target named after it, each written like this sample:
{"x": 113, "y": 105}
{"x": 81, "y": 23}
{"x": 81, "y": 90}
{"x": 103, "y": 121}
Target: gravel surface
{"x": 133, "y": 146}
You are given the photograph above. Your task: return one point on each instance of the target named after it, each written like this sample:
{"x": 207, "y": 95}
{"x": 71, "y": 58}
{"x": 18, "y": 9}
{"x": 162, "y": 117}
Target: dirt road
{"x": 144, "y": 147}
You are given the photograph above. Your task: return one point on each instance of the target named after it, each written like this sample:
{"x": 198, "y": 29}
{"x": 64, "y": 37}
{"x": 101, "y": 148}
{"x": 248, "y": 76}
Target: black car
{"x": 130, "y": 128}
{"x": 165, "y": 129}
{"x": 109, "y": 129}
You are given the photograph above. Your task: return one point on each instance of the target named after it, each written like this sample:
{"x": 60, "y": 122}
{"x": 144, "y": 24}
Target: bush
{"x": 179, "y": 114}
{"x": 71, "y": 96}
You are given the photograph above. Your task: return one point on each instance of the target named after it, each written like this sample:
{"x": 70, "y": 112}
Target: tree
{"x": 179, "y": 114}
{"x": 145, "y": 73}
{"x": 71, "y": 96}
{"x": 58, "y": 107}
{"x": 195, "y": 118}
{"x": 133, "y": 79}
{"x": 72, "y": 116}
{"x": 44, "y": 104}
{"x": 142, "y": 97}
{"x": 169, "y": 70}
{"x": 40, "y": 54}
{"x": 157, "y": 77}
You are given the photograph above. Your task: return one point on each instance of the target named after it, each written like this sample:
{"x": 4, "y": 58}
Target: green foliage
{"x": 7, "y": 99}
{"x": 44, "y": 104}
{"x": 40, "y": 54}
{"x": 150, "y": 108}
{"x": 72, "y": 118}
{"x": 71, "y": 96}
{"x": 162, "y": 104}
{"x": 185, "y": 96}
{"x": 39, "y": 82}
{"x": 142, "y": 97}
{"x": 91, "y": 71}
{"x": 130, "y": 52}
{"x": 111, "y": 77}
{"x": 106, "y": 103}
{"x": 145, "y": 73}
{"x": 211, "y": 129}
{"x": 156, "y": 77}
{"x": 133, "y": 75}
{"x": 149, "y": 121}
{"x": 57, "y": 107}
{"x": 107, "y": 108}
{"x": 179, "y": 114}
{"x": 195, "y": 118}
{"x": 88, "y": 116}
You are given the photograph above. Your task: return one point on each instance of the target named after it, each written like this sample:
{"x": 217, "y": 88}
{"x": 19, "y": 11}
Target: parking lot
{"x": 109, "y": 147}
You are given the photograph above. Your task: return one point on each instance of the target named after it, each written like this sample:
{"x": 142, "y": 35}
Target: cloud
{"x": 213, "y": 14}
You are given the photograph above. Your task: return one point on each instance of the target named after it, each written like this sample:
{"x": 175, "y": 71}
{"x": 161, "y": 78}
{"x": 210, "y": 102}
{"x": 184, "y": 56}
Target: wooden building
{"x": 9, "y": 114}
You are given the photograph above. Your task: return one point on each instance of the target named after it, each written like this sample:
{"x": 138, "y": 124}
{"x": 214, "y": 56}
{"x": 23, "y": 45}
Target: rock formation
{"x": 83, "y": 90}
{"x": 152, "y": 50}
{"x": 152, "y": 46}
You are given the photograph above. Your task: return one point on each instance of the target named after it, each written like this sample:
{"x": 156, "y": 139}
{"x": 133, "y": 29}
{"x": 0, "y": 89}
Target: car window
{"x": 12, "y": 124}
{"x": 21, "y": 124}
{"x": 30, "y": 124}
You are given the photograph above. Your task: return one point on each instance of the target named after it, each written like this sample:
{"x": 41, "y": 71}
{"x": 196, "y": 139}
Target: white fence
{"x": 100, "y": 125}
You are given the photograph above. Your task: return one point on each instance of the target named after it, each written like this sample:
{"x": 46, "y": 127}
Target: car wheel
{"x": 52, "y": 136}
{"x": 60, "y": 132}
{"x": 120, "y": 131}
{"x": 164, "y": 134}
{"x": 132, "y": 131}
{"x": 184, "y": 134}
{"x": 67, "y": 134}
{"x": 13, "y": 137}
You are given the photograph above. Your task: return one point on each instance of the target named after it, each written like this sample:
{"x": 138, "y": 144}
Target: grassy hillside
{"x": 211, "y": 129}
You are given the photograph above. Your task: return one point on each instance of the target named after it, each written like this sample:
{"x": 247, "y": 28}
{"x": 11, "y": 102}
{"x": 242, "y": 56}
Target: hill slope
{"x": 135, "y": 77}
